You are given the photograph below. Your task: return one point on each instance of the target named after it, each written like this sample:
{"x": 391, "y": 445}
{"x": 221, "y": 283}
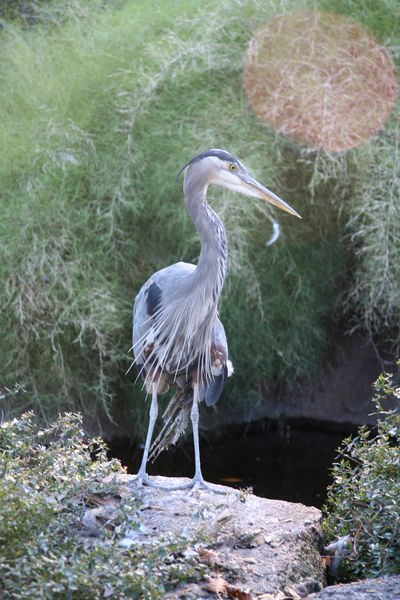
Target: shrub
{"x": 363, "y": 500}
{"x": 52, "y": 480}
{"x": 100, "y": 105}
{"x": 91, "y": 208}
{"x": 373, "y": 299}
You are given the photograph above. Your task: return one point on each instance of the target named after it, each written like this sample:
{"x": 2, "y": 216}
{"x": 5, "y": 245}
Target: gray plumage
{"x": 178, "y": 339}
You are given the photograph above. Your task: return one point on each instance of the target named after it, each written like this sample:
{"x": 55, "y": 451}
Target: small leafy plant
{"x": 364, "y": 498}
{"x": 65, "y": 531}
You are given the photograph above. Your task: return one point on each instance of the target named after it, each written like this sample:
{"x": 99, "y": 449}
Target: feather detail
{"x": 176, "y": 419}
{"x": 180, "y": 340}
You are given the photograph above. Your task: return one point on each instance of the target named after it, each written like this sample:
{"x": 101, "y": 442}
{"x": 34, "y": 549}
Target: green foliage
{"x": 381, "y": 18}
{"x": 101, "y": 104}
{"x": 363, "y": 500}
{"x": 374, "y": 295}
{"x": 48, "y": 482}
{"x": 367, "y": 179}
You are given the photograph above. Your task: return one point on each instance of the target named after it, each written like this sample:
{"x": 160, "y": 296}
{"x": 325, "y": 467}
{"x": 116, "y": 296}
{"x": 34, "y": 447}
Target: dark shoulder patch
{"x": 153, "y": 301}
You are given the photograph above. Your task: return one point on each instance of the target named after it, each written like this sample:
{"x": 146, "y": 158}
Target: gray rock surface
{"x": 382, "y": 588}
{"x": 255, "y": 547}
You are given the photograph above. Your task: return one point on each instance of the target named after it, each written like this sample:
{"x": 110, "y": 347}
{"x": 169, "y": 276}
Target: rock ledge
{"x": 382, "y": 588}
{"x": 264, "y": 548}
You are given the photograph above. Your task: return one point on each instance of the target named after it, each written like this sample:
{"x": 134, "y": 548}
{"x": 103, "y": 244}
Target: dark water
{"x": 282, "y": 462}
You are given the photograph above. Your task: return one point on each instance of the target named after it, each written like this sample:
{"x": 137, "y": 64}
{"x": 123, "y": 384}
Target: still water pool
{"x": 282, "y": 462}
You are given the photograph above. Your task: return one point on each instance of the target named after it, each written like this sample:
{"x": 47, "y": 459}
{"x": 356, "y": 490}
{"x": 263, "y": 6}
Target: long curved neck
{"x": 210, "y": 273}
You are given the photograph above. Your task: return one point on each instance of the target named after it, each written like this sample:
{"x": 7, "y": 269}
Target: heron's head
{"x": 221, "y": 168}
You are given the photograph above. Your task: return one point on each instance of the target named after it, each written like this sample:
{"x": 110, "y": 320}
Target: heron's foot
{"x": 142, "y": 479}
{"x": 199, "y": 483}
{"x": 195, "y": 484}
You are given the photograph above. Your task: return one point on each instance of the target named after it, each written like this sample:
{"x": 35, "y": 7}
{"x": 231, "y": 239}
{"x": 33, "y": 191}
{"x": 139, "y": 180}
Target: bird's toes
{"x": 199, "y": 484}
{"x": 142, "y": 479}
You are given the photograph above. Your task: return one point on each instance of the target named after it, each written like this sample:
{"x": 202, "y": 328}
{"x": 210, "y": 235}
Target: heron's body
{"x": 178, "y": 339}
{"x": 161, "y": 342}
{"x": 176, "y": 358}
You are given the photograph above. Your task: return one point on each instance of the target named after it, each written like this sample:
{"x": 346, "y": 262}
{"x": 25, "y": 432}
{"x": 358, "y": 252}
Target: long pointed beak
{"x": 251, "y": 187}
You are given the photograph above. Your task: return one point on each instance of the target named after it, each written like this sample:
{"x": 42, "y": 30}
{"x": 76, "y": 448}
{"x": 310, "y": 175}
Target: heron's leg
{"x": 142, "y": 476}
{"x": 194, "y": 415}
{"x": 198, "y": 479}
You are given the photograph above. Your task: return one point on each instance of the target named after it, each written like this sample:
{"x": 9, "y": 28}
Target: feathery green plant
{"x": 100, "y": 107}
{"x": 374, "y": 295}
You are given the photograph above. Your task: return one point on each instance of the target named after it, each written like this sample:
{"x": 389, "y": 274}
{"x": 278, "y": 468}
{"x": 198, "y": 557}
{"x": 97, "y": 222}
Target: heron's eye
{"x": 232, "y": 167}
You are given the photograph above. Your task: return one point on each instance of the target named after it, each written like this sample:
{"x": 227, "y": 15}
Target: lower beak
{"x": 251, "y": 187}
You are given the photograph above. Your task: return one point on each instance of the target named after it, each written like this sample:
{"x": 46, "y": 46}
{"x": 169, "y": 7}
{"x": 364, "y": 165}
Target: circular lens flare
{"x": 320, "y": 78}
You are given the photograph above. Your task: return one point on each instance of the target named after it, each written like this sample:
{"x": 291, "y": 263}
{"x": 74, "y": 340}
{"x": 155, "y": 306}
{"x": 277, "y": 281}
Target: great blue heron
{"x": 178, "y": 339}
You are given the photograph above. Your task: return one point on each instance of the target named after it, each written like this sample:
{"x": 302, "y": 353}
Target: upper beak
{"x": 251, "y": 187}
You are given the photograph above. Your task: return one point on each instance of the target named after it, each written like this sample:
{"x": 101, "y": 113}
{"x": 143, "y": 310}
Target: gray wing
{"x": 152, "y": 341}
{"x": 147, "y": 302}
